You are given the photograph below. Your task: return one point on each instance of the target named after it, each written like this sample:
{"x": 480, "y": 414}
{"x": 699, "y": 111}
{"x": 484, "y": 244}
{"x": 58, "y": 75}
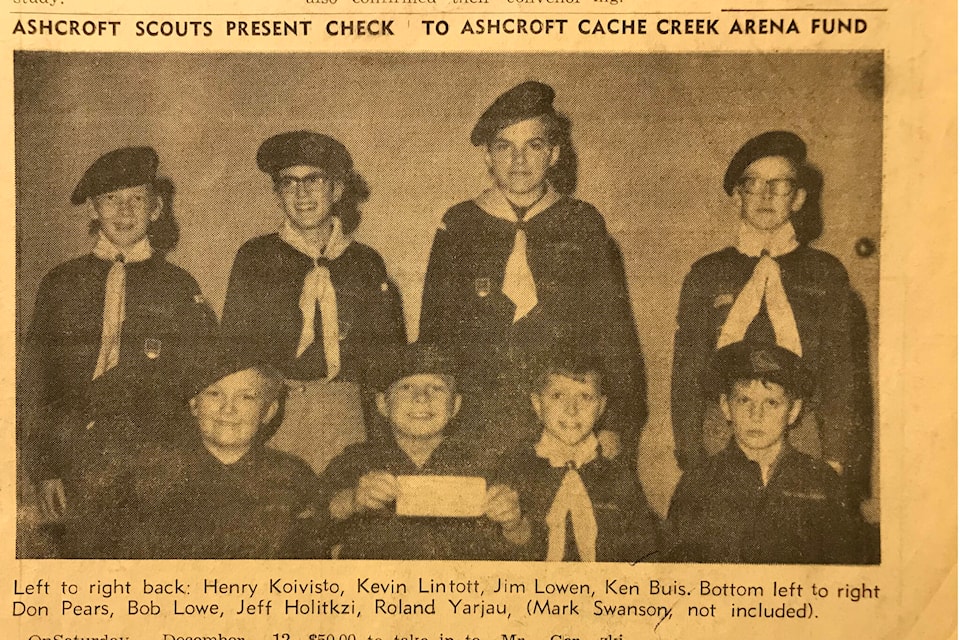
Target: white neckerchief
{"x": 765, "y": 284}
{"x": 115, "y": 297}
{"x": 571, "y": 498}
{"x": 318, "y": 290}
{"x": 518, "y": 283}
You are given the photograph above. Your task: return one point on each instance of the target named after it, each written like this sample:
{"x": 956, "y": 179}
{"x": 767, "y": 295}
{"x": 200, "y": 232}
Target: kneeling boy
{"x": 582, "y": 506}
{"x": 366, "y": 483}
{"x": 760, "y": 500}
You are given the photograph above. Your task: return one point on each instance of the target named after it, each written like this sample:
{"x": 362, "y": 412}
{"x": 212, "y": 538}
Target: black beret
{"x": 753, "y": 361}
{"x": 772, "y": 143}
{"x": 412, "y": 359}
{"x": 119, "y": 169}
{"x": 219, "y": 360}
{"x": 307, "y": 148}
{"x": 527, "y": 100}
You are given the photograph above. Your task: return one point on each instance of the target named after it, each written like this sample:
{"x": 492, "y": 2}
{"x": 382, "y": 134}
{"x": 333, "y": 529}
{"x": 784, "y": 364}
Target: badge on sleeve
{"x": 482, "y": 287}
{"x": 723, "y": 300}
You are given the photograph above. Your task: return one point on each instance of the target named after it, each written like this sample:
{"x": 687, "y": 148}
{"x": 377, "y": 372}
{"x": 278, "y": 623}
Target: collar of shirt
{"x": 337, "y": 243}
{"x": 754, "y": 242}
{"x": 106, "y": 250}
{"x": 494, "y": 202}
{"x": 561, "y": 454}
{"x": 770, "y": 461}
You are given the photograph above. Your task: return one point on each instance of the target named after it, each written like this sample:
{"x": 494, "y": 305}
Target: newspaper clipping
{"x": 479, "y": 320}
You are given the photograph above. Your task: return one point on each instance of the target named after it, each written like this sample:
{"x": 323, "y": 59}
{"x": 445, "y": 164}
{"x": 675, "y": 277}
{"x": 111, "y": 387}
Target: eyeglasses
{"x": 311, "y": 182}
{"x": 777, "y": 186}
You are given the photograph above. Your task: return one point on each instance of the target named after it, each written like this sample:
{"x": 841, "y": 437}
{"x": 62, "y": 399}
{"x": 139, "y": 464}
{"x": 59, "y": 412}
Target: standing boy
{"x": 770, "y": 289}
{"x": 759, "y": 499}
{"x": 522, "y": 268}
{"x": 107, "y": 327}
{"x": 312, "y": 301}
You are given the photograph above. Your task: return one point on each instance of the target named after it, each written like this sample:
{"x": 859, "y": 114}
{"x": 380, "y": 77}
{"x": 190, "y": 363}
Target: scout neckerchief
{"x": 571, "y": 498}
{"x": 115, "y": 297}
{"x": 764, "y": 285}
{"x": 518, "y": 282}
{"x": 318, "y": 290}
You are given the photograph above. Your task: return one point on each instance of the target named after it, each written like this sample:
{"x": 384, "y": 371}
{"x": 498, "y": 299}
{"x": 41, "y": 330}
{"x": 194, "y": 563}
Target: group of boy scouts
{"x": 304, "y": 425}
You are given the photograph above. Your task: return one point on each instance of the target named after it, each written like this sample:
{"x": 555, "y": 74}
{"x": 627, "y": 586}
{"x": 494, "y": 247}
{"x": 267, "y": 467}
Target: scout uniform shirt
{"x": 182, "y": 502}
{"x": 164, "y": 318}
{"x": 819, "y": 295}
{"x": 382, "y": 534}
{"x": 624, "y": 529}
{"x": 723, "y": 512}
{"x": 262, "y": 308}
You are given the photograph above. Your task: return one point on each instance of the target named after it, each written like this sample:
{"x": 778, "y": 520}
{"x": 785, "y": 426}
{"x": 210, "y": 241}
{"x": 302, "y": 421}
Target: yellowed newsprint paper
{"x": 679, "y": 277}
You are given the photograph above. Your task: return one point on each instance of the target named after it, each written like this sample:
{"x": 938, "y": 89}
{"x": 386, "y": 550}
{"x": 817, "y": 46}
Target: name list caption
{"x": 345, "y": 604}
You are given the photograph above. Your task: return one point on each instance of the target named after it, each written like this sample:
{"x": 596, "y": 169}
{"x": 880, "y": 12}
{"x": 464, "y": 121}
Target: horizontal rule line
{"x": 358, "y": 14}
{"x": 807, "y": 9}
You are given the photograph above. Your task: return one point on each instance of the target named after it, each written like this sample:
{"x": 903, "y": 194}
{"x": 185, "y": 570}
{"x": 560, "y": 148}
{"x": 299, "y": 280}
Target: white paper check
{"x": 441, "y": 496}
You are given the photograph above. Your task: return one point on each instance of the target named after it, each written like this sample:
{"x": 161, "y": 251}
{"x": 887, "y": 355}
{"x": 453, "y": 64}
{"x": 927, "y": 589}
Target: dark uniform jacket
{"x": 819, "y": 293}
{"x": 722, "y": 512}
{"x": 383, "y": 534}
{"x": 262, "y": 308}
{"x": 163, "y": 302}
{"x": 627, "y": 530}
{"x": 583, "y": 304}
{"x": 182, "y": 502}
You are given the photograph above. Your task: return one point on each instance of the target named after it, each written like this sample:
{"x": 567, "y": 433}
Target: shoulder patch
{"x": 723, "y": 300}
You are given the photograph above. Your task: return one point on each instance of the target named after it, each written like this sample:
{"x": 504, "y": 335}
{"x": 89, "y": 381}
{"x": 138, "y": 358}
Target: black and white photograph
{"x": 584, "y": 307}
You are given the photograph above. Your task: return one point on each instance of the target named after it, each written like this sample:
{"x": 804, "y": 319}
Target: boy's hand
{"x": 609, "y": 443}
{"x": 54, "y": 504}
{"x": 375, "y": 490}
{"x": 503, "y": 507}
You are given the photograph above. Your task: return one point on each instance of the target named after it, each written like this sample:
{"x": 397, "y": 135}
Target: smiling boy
{"x": 419, "y": 399}
{"x": 222, "y": 494}
{"x": 582, "y": 506}
{"x": 106, "y": 328}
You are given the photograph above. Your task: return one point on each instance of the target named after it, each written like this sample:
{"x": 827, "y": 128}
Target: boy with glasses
{"x": 310, "y": 300}
{"x": 770, "y": 289}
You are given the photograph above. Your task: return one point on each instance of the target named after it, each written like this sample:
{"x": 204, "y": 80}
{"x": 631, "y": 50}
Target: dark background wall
{"x": 653, "y": 132}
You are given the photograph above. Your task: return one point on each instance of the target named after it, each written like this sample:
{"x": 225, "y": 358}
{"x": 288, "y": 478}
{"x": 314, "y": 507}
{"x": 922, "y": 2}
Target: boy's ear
{"x": 799, "y": 197}
{"x": 603, "y": 405}
{"x": 193, "y": 406}
{"x": 337, "y": 189}
{"x": 271, "y": 412}
{"x": 554, "y": 155}
{"x": 381, "y": 401}
{"x": 795, "y": 409}
{"x": 157, "y": 207}
{"x": 457, "y": 401}
{"x": 537, "y": 403}
{"x": 725, "y": 407}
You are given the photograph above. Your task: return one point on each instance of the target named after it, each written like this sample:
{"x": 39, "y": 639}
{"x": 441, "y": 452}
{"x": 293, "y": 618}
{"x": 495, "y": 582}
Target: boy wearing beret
{"x": 221, "y": 495}
{"x": 106, "y": 327}
{"x": 582, "y": 506}
{"x": 363, "y": 486}
{"x": 768, "y": 288}
{"x": 760, "y": 500}
{"x": 312, "y": 301}
{"x": 523, "y": 267}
